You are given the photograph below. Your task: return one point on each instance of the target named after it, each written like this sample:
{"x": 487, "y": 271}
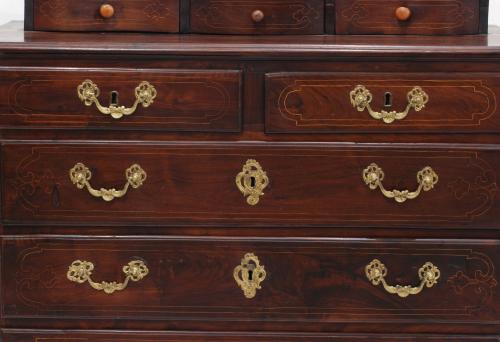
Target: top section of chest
{"x": 260, "y": 17}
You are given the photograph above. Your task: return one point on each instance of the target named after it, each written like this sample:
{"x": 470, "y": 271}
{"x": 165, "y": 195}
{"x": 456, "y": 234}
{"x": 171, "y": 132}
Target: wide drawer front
{"x": 170, "y": 100}
{"x": 11, "y": 335}
{"x": 109, "y": 15}
{"x": 407, "y": 17}
{"x": 257, "y": 17}
{"x": 384, "y": 103}
{"x": 253, "y": 279}
{"x": 252, "y": 184}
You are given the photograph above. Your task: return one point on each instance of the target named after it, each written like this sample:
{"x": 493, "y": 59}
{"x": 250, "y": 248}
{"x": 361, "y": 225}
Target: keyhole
{"x": 388, "y": 99}
{"x": 252, "y": 182}
{"x": 114, "y": 98}
{"x": 250, "y": 274}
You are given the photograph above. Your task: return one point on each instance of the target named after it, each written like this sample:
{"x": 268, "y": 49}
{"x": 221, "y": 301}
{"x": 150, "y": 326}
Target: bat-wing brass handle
{"x": 81, "y": 271}
{"x": 361, "y": 98}
{"x": 80, "y": 175}
{"x": 88, "y": 93}
{"x": 428, "y": 274}
{"x": 373, "y": 176}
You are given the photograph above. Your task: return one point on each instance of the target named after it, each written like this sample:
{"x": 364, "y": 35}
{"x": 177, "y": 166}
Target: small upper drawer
{"x": 168, "y": 100}
{"x": 106, "y": 15}
{"x": 257, "y": 17}
{"x": 407, "y": 17}
{"x": 317, "y": 102}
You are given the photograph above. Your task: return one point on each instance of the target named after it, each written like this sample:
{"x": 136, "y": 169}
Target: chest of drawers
{"x": 250, "y": 171}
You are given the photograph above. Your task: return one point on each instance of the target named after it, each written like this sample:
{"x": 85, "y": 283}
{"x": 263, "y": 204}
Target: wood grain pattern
{"x": 307, "y": 279}
{"x": 235, "y": 17}
{"x": 187, "y": 100}
{"x": 193, "y": 183}
{"x": 130, "y": 15}
{"x": 428, "y": 17}
{"x": 314, "y": 102}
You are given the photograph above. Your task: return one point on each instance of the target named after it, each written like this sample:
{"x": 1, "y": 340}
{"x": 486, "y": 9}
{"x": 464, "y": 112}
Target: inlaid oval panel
{"x": 154, "y": 99}
{"x": 382, "y": 103}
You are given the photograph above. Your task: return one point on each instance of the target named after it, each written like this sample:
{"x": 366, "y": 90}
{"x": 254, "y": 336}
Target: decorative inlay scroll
{"x": 481, "y": 280}
{"x": 156, "y": 10}
{"x": 482, "y": 188}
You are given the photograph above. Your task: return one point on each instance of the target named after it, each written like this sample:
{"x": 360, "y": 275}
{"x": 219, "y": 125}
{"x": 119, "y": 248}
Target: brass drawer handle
{"x": 249, "y": 274}
{"x": 88, "y": 93}
{"x": 80, "y": 272}
{"x": 373, "y": 176}
{"x": 361, "y": 98}
{"x": 80, "y": 175}
{"x": 251, "y": 181}
{"x": 428, "y": 274}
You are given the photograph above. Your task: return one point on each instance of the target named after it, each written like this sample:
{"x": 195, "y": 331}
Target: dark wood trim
{"x": 28, "y": 15}
{"x": 330, "y": 16}
{"x": 185, "y": 16}
{"x": 483, "y": 16}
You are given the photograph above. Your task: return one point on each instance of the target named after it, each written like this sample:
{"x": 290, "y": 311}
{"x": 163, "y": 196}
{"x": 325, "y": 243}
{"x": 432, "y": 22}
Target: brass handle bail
{"x": 376, "y": 271}
{"x": 81, "y": 271}
{"x": 80, "y": 175}
{"x": 373, "y": 176}
{"x": 361, "y": 98}
{"x": 88, "y": 93}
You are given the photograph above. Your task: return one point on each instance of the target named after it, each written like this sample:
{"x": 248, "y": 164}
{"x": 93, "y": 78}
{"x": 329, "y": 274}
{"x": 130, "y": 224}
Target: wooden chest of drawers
{"x": 287, "y": 171}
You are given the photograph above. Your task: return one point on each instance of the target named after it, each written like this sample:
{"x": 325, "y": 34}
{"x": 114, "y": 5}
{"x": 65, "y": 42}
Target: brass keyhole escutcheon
{"x": 249, "y": 275}
{"x": 252, "y": 181}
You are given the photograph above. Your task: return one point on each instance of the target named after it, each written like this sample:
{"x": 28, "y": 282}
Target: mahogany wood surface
{"x": 128, "y": 15}
{"x": 274, "y": 88}
{"x": 307, "y": 280}
{"x": 194, "y": 184}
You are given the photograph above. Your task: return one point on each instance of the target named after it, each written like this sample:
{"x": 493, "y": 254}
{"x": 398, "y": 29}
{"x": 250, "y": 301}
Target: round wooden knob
{"x": 107, "y": 11}
{"x": 403, "y": 13}
{"x": 257, "y": 16}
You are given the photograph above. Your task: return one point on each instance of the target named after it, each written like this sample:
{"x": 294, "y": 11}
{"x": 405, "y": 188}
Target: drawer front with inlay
{"x": 253, "y": 184}
{"x": 258, "y": 279}
{"x": 407, "y": 17}
{"x": 156, "y": 99}
{"x": 257, "y": 17}
{"x": 382, "y": 103}
{"x": 108, "y": 15}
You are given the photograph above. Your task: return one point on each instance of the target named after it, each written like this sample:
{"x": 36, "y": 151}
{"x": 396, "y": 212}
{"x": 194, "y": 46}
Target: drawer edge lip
{"x": 203, "y": 333}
